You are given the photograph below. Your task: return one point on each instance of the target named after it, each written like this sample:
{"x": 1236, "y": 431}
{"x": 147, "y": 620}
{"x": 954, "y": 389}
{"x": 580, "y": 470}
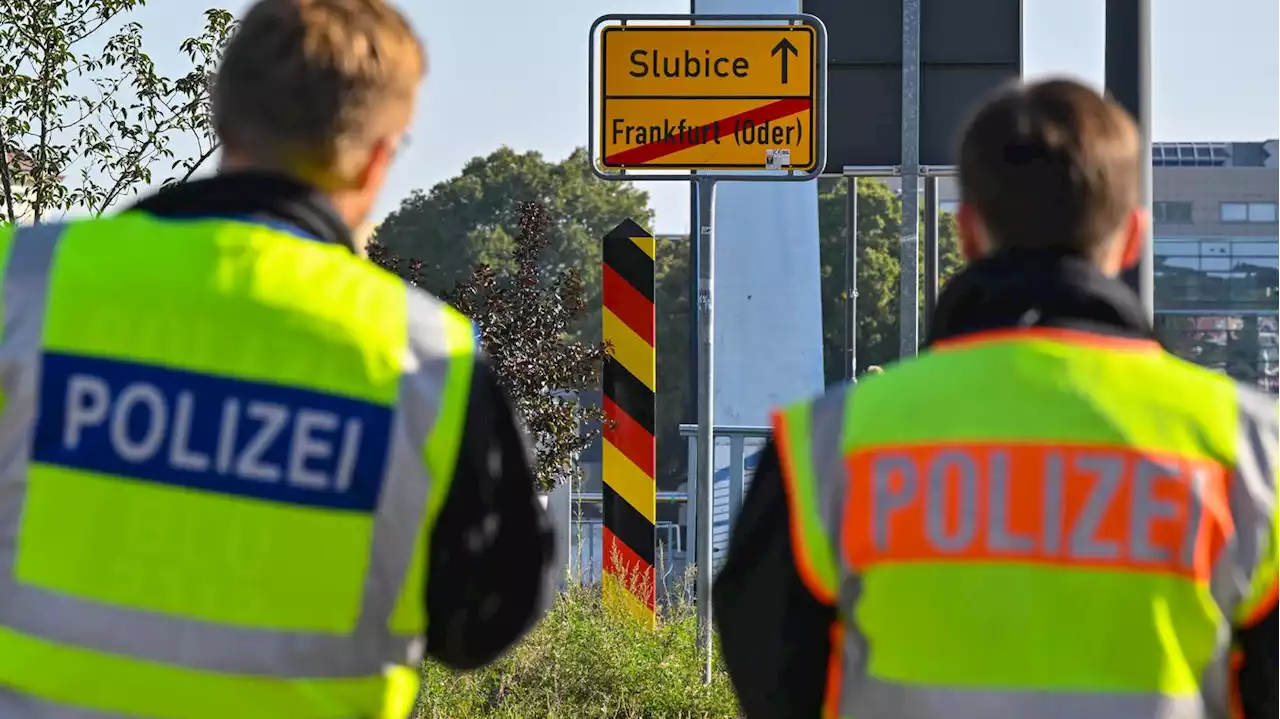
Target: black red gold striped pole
{"x": 630, "y": 491}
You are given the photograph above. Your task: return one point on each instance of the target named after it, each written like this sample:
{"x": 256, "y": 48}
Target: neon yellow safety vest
{"x": 222, "y": 450}
{"x": 1034, "y": 523}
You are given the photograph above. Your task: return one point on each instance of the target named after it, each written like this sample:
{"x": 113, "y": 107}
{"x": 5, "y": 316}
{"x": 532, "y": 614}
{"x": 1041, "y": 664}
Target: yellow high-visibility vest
{"x": 222, "y": 450}
{"x": 1035, "y": 523}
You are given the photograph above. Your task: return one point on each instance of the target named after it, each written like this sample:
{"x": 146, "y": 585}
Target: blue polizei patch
{"x": 215, "y": 434}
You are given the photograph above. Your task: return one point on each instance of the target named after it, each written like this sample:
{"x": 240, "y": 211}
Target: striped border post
{"x": 630, "y": 370}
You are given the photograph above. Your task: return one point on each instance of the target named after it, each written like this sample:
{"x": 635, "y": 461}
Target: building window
{"x": 1243, "y": 346}
{"x": 1257, "y": 212}
{"x": 1172, "y": 213}
{"x": 948, "y": 206}
{"x": 1221, "y": 274}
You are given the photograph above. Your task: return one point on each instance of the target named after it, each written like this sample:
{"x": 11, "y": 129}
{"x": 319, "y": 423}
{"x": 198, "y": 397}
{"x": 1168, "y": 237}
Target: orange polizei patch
{"x": 1073, "y": 505}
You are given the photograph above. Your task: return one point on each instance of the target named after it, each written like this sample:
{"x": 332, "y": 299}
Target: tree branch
{"x": 42, "y": 149}
{"x": 200, "y": 161}
{"x": 136, "y": 155}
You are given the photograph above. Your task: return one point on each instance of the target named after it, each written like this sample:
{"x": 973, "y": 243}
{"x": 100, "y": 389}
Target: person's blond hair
{"x": 309, "y": 85}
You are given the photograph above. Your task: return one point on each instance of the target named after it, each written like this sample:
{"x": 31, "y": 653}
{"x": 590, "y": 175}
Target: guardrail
{"x": 737, "y": 449}
{"x": 586, "y": 542}
{"x": 735, "y": 466}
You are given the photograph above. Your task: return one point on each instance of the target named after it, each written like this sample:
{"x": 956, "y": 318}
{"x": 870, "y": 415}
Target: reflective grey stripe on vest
{"x": 885, "y": 700}
{"x": 203, "y": 645}
{"x": 22, "y": 706}
{"x": 1252, "y": 498}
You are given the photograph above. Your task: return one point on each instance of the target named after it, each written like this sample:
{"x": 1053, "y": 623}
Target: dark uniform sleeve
{"x": 492, "y": 552}
{"x": 775, "y": 635}
{"x": 1258, "y": 672}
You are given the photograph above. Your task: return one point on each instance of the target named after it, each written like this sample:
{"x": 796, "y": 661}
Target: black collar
{"x": 1026, "y": 288}
{"x": 267, "y": 197}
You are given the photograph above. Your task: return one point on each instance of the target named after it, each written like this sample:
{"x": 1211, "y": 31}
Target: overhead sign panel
{"x": 966, "y": 49}
{"x": 712, "y": 97}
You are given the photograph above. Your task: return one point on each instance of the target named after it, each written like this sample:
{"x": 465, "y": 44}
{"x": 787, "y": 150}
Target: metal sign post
{"x": 706, "y": 412}
{"x": 909, "y": 290}
{"x": 744, "y": 101}
{"x": 931, "y": 266}
{"x": 930, "y": 251}
{"x": 1128, "y": 79}
{"x": 851, "y": 279}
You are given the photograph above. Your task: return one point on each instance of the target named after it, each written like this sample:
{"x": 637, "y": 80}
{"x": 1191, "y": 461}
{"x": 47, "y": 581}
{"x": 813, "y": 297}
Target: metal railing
{"x": 735, "y": 466}
{"x": 737, "y": 450}
{"x": 586, "y": 557}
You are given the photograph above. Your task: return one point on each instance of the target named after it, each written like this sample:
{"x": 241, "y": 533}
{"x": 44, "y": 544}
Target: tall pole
{"x": 706, "y": 411}
{"x": 1128, "y": 79}
{"x": 694, "y": 244}
{"x": 930, "y": 251}
{"x": 909, "y": 292}
{"x": 851, "y": 279}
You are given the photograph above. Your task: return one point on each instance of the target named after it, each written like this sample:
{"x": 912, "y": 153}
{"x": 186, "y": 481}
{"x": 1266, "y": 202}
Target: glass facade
{"x": 1216, "y": 303}
{"x": 1190, "y": 154}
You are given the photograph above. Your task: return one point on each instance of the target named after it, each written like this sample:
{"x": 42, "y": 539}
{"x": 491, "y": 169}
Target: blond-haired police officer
{"x": 245, "y": 473}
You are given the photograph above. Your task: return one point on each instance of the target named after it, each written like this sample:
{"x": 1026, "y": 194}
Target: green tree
{"x": 523, "y": 319}
{"x": 472, "y": 219}
{"x": 879, "y": 271}
{"x": 671, "y": 302}
{"x": 85, "y": 117}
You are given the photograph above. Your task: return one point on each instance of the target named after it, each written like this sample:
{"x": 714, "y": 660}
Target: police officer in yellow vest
{"x": 244, "y": 473}
{"x": 1043, "y": 515}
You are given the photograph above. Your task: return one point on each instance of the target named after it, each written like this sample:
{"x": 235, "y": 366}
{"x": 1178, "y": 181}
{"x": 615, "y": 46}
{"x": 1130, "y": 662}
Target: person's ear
{"x": 969, "y": 230}
{"x": 1133, "y": 236}
{"x": 373, "y": 172}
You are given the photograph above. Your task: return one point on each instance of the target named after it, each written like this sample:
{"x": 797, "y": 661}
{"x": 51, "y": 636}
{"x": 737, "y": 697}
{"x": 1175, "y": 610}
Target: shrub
{"x": 524, "y": 317}
{"x": 588, "y": 659}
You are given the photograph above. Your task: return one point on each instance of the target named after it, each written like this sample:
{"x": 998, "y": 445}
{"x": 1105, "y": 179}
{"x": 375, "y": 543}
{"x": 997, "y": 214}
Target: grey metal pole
{"x": 909, "y": 292}
{"x": 706, "y": 412}
{"x": 694, "y": 244}
{"x": 1128, "y": 79}
{"x": 851, "y": 279}
{"x": 1147, "y": 264}
{"x": 930, "y": 251}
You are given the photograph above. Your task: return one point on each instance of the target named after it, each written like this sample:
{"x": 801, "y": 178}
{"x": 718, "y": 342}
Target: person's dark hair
{"x": 1050, "y": 165}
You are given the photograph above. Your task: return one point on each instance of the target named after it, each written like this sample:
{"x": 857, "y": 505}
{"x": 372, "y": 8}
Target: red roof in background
{"x": 22, "y": 160}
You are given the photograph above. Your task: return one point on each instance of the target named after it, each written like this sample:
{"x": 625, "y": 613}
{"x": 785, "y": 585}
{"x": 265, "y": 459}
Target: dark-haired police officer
{"x": 1044, "y": 514}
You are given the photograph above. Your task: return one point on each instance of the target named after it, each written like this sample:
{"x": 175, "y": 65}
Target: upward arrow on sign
{"x": 785, "y": 47}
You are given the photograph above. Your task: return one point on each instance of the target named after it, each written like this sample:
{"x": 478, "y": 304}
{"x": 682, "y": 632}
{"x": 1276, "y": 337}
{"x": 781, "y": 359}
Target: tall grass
{"x": 589, "y": 659}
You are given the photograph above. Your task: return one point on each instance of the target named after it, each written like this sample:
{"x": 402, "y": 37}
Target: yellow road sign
{"x": 704, "y": 97}
{"x": 708, "y": 61}
{"x": 707, "y": 133}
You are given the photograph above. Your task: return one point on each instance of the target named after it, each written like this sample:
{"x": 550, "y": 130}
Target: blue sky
{"x": 513, "y": 72}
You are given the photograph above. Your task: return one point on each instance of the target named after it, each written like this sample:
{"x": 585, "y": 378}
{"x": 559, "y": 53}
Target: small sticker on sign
{"x": 777, "y": 159}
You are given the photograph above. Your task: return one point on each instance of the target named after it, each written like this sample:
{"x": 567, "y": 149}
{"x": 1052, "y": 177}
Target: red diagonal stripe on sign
{"x": 652, "y": 151}
{"x": 629, "y": 437}
{"x": 621, "y": 562}
{"x": 627, "y": 304}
